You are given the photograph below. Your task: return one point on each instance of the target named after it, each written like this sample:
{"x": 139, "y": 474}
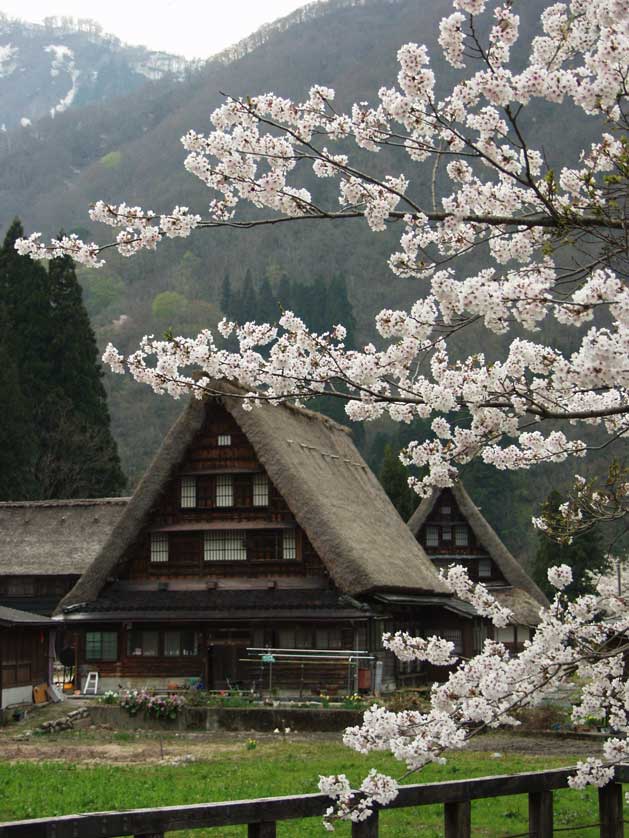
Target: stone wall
{"x": 230, "y": 718}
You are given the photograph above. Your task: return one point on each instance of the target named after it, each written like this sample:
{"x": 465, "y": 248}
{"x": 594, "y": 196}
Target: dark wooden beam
{"x": 264, "y": 829}
{"x": 457, "y": 819}
{"x": 541, "y": 814}
{"x": 367, "y": 828}
{"x": 610, "y": 810}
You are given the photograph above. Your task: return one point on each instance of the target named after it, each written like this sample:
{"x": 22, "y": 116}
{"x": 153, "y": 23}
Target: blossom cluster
{"x": 487, "y": 690}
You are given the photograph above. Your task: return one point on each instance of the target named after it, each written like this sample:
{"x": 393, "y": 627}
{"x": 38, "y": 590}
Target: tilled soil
{"x": 91, "y": 744}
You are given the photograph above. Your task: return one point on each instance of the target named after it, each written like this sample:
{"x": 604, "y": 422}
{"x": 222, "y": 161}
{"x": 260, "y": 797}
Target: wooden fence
{"x": 261, "y": 816}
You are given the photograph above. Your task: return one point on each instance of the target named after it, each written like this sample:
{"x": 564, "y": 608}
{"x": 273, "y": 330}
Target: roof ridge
{"x": 26, "y": 504}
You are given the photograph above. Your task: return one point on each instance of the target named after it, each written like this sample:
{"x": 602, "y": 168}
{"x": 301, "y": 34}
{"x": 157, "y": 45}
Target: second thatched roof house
{"x": 451, "y": 528}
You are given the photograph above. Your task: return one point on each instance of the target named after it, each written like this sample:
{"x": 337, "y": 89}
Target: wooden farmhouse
{"x": 451, "y": 529}
{"x": 46, "y": 545}
{"x": 26, "y": 655}
{"x": 259, "y": 545}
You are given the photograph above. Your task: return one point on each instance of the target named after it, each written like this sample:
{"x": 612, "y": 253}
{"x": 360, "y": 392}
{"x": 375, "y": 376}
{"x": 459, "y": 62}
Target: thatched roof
{"x": 59, "y": 537}
{"x": 511, "y": 569}
{"x": 328, "y": 487}
{"x": 12, "y": 617}
{"x": 525, "y": 609}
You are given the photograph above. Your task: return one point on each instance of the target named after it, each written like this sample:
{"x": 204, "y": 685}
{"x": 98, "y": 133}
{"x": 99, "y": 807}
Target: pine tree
{"x": 80, "y": 456}
{"x": 24, "y": 294}
{"x": 227, "y": 298}
{"x": 247, "y": 300}
{"x": 584, "y": 554}
{"x": 394, "y": 480}
{"x": 268, "y": 308}
{"x": 285, "y": 294}
{"x": 17, "y": 437}
{"x": 338, "y": 309}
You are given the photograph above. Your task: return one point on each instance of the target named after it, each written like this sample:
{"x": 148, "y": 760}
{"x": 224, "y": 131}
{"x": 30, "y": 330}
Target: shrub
{"x": 409, "y": 699}
{"x": 353, "y": 702}
{"x": 544, "y": 717}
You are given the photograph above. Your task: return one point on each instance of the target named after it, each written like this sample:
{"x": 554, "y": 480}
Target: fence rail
{"x": 261, "y": 816}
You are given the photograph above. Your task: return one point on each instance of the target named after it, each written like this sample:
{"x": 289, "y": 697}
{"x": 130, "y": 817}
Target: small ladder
{"x": 91, "y": 682}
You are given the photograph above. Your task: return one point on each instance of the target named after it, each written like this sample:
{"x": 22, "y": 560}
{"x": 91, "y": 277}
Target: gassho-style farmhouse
{"x": 256, "y": 538}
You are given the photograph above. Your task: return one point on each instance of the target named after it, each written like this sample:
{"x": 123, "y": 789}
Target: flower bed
{"x": 141, "y": 701}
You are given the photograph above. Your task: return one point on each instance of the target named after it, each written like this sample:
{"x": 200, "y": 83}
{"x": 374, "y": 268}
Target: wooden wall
{"x": 23, "y": 656}
{"x": 185, "y": 527}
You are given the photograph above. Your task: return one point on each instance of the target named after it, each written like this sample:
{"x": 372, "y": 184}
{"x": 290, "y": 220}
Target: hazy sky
{"x": 194, "y": 28}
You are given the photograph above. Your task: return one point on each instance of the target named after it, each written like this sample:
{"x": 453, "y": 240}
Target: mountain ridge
{"x": 47, "y": 68}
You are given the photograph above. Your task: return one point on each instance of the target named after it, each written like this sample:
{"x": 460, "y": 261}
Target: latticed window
{"x": 260, "y": 490}
{"x": 289, "y": 545}
{"x": 446, "y": 533}
{"x": 484, "y": 568}
{"x": 224, "y": 490}
{"x": 446, "y": 509}
{"x": 188, "y": 492}
{"x": 101, "y": 646}
{"x": 432, "y": 536}
{"x": 224, "y": 440}
{"x": 159, "y": 547}
{"x": 225, "y": 546}
{"x": 461, "y": 536}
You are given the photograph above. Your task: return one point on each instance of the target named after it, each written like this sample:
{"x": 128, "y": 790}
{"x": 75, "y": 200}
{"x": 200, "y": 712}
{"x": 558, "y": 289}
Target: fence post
{"x": 541, "y": 814}
{"x": 366, "y": 829}
{"x": 264, "y": 829}
{"x": 458, "y": 819}
{"x": 610, "y": 810}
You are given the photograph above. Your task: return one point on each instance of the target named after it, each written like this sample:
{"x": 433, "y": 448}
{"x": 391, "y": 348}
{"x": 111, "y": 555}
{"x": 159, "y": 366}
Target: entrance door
{"x": 224, "y": 667}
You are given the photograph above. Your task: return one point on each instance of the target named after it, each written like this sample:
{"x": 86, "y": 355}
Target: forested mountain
{"x": 128, "y": 149}
{"x": 45, "y": 69}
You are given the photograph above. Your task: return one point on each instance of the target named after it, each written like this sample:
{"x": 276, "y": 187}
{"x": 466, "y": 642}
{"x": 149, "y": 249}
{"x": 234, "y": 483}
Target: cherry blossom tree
{"x": 555, "y": 249}
{"x": 533, "y": 221}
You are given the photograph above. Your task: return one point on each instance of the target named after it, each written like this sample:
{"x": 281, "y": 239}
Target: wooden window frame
{"x": 289, "y": 545}
{"x": 461, "y": 530}
{"x": 485, "y": 562}
{"x": 218, "y": 546}
{"x": 188, "y": 492}
{"x": 432, "y": 536}
{"x": 180, "y": 647}
{"x": 260, "y": 490}
{"x": 160, "y": 548}
{"x": 224, "y": 491}
{"x": 101, "y": 656}
{"x": 142, "y": 653}
{"x": 224, "y": 440}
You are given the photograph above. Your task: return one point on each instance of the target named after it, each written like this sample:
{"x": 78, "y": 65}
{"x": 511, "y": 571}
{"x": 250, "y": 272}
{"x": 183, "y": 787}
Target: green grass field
{"x": 30, "y": 789}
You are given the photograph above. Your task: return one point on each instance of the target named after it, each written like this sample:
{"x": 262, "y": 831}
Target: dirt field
{"x": 99, "y": 744}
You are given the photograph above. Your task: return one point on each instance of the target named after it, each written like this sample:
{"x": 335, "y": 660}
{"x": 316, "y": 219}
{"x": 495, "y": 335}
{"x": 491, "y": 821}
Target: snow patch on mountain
{"x": 7, "y": 60}
{"x": 62, "y": 56}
